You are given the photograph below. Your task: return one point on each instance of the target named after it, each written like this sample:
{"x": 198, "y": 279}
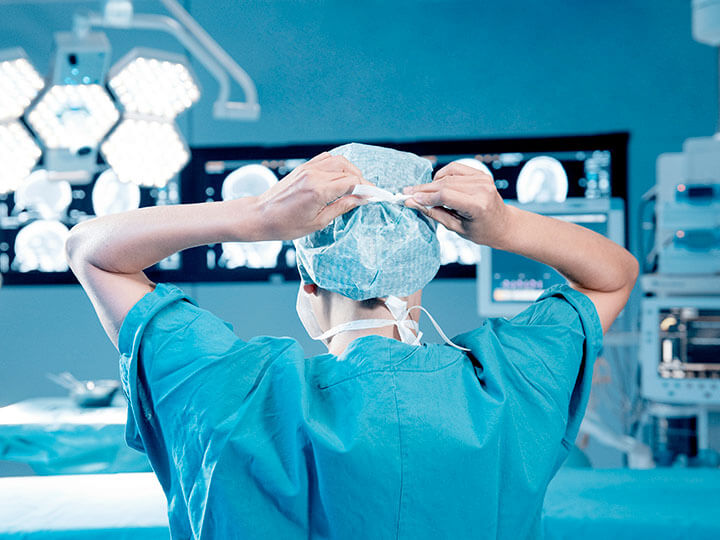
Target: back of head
{"x": 378, "y": 249}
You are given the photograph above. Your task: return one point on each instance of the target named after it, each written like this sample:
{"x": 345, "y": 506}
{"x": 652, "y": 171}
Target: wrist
{"x": 242, "y": 218}
{"x": 505, "y": 237}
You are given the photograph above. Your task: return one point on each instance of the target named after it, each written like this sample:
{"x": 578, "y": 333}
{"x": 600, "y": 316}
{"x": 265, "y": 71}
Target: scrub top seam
{"x": 400, "y": 449}
{"x": 390, "y": 369}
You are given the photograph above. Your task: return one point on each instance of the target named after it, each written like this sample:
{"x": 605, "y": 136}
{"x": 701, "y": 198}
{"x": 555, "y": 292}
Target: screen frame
{"x": 616, "y": 227}
{"x": 193, "y": 269}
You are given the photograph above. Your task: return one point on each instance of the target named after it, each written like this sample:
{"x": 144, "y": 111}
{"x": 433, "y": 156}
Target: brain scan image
{"x": 41, "y": 246}
{"x": 475, "y": 164}
{"x": 251, "y": 254}
{"x": 542, "y": 179}
{"x": 38, "y": 193}
{"x": 110, "y": 195}
{"x": 247, "y": 181}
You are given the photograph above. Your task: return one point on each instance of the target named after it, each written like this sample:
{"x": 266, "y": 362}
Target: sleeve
{"x": 176, "y": 360}
{"x": 563, "y": 337}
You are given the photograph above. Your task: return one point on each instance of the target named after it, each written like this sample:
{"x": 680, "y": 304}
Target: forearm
{"x": 129, "y": 242}
{"x": 585, "y": 258}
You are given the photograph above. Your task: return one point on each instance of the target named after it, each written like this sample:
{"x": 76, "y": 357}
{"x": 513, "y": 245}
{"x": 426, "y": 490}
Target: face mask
{"x": 407, "y": 328}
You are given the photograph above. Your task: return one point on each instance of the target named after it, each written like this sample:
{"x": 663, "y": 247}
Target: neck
{"x": 339, "y": 342}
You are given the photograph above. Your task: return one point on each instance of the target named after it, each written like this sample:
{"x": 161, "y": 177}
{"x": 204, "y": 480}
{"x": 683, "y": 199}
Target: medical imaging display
{"x": 36, "y": 217}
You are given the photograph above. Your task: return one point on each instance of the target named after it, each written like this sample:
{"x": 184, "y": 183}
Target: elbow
{"x": 632, "y": 270}
{"x": 73, "y": 245}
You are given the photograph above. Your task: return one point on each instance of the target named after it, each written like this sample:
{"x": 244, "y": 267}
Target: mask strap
{"x": 406, "y": 327}
{"x": 361, "y": 324}
{"x": 376, "y": 194}
{"x": 439, "y": 330}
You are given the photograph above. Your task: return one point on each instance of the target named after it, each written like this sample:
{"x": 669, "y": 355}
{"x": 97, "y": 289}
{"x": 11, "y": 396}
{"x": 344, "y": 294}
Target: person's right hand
{"x": 310, "y": 197}
{"x": 466, "y": 201}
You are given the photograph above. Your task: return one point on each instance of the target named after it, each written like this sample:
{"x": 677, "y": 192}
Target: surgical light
{"x": 145, "y": 152}
{"x": 19, "y": 83}
{"x": 154, "y": 83}
{"x": 18, "y": 154}
{"x": 73, "y": 116}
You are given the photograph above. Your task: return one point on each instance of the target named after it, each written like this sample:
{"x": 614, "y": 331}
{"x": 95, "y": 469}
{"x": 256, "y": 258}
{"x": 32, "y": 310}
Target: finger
{"x": 340, "y": 187}
{"x": 338, "y": 163}
{"x": 442, "y": 197}
{"x": 466, "y": 184}
{"x": 339, "y": 207}
{"x": 439, "y": 214}
{"x": 458, "y": 169}
{"x": 317, "y": 159}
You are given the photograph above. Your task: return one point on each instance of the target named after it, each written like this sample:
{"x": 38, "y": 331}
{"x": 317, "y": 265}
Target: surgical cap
{"x": 378, "y": 249}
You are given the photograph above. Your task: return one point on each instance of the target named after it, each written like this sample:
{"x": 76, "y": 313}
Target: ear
{"x": 310, "y": 288}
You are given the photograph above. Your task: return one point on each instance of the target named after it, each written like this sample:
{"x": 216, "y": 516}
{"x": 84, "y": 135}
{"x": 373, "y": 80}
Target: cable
{"x": 648, "y": 197}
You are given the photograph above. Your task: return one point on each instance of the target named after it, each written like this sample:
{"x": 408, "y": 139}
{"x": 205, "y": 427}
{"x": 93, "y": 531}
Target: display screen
{"x": 689, "y": 343}
{"x": 518, "y": 279}
{"x": 35, "y": 219}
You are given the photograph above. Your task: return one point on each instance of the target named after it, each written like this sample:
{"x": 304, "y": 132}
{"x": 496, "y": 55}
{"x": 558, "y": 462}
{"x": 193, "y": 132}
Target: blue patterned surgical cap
{"x": 380, "y": 248}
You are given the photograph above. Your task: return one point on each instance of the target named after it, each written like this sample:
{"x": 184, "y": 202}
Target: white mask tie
{"x": 407, "y": 328}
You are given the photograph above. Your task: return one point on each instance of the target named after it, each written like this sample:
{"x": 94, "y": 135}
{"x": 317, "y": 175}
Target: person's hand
{"x": 310, "y": 197}
{"x": 466, "y": 201}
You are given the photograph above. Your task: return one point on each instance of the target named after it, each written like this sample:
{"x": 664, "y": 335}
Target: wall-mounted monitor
{"x": 550, "y": 169}
{"x": 508, "y": 283}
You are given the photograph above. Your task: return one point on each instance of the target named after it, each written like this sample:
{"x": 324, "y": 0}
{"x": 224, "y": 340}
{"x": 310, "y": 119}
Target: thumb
{"x": 340, "y": 207}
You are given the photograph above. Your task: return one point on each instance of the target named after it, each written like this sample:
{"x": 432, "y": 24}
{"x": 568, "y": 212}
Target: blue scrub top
{"x": 250, "y": 439}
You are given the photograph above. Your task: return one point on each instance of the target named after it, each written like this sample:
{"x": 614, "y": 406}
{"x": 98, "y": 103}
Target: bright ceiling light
{"x": 19, "y": 83}
{"x": 18, "y": 155}
{"x": 74, "y": 116}
{"x": 154, "y": 83}
{"x": 145, "y": 152}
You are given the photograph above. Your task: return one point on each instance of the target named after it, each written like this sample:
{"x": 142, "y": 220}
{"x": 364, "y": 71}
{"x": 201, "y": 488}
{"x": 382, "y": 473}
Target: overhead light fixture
{"x": 18, "y": 155}
{"x": 146, "y": 152}
{"x": 19, "y": 84}
{"x": 154, "y": 83}
{"x": 153, "y": 88}
{"x": 76, "y": 112}
{"x": 120, "y": 14}
{"x": 73, "y": 117}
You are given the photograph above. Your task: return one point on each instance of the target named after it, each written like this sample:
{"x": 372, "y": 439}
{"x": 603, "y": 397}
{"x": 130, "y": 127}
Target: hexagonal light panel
{"x": 73, "y": 116}
{"x": 19, "y": 83}
{"x": 154, "y": 83}
{"x": 145, "y": 152}
{"x": 18, "y": 154}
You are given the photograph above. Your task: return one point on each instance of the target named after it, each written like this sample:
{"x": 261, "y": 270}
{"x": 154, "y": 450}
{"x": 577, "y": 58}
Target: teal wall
{"x": 383, "y": 70}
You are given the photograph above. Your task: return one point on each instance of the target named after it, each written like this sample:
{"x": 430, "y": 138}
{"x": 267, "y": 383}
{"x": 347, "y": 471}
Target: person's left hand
{"x": 310, "y": 197}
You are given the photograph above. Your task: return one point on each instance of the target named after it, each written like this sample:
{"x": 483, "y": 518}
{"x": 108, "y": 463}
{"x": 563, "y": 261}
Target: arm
{"x": 466, "y": 201}
{"x": 593, "y": 264}
{"x": 108, "y": 254}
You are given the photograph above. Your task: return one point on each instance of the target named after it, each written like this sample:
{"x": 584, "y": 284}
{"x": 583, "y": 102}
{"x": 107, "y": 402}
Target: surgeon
{"x": 384, "y": 436}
